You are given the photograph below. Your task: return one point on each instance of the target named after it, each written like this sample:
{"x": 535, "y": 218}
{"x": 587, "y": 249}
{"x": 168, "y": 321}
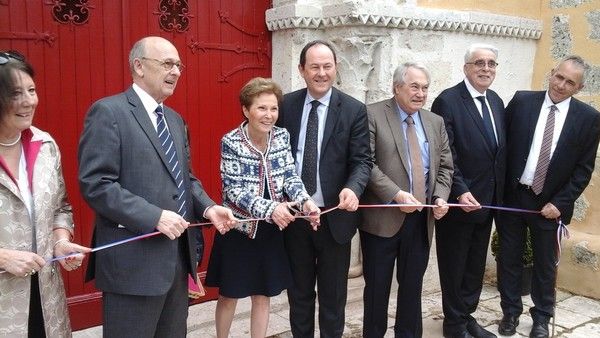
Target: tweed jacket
{"x": 245, "y": 170}
{"x": 51, "y": 211}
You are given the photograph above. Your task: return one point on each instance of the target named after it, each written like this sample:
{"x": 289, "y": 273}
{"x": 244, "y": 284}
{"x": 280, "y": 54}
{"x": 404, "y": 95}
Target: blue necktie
{"x": 166, "y": 141}
{"x": 487, "y": 122}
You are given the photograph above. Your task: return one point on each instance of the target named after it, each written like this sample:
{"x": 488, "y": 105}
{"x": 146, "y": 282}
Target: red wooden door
{"x": 79, "y": 50}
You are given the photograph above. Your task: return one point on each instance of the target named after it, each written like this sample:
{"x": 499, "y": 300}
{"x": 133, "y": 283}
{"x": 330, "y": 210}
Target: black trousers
{"x": 461, "y": 254}
{"x": 512, "y": 234}
{"x": 316, "y": 257}
{"x": 36, "y": 327}
{"x": 148, "y": 316}
{"x": 409, "y": 249}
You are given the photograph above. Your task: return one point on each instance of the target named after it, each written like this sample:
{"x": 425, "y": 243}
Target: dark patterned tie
{"x": 166, "y": 141}
{"x": 487, "y": 122}
{"x": 544, "y": 159}
{"x": 309, "y": 159}
{"x": 416, "y": 161}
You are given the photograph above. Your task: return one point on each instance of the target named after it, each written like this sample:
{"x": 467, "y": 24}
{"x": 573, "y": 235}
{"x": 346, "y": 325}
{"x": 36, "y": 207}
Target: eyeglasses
{"x": 11, "y": 54}
{"x": 481, "y": 63}
{"x": 167, "y": 64}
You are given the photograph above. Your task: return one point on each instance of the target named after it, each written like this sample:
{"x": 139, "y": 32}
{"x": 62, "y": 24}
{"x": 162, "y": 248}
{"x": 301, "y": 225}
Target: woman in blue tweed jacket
{"x": 259, "y": 181}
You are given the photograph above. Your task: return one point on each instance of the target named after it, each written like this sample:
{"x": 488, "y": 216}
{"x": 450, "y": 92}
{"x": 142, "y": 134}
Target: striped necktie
{"x": 539, "y": 177}
{"x": 166, "y": 141}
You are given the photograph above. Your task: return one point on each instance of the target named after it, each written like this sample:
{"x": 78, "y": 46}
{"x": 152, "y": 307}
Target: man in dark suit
{"x": 330, "y": 143}
{"x": 474, "y": 119}
{"x": 552, "y": 140}
{"x": 413, "y": 165}
{"x": 134, "y": 173}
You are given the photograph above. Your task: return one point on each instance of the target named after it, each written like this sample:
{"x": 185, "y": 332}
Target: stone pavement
{"x": 576, "y": 316}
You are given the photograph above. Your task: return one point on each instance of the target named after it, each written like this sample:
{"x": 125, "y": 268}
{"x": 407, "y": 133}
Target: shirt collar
{"x": 474, "y": 93}
{"x": 562, "y": 106}
{"x": 148, "y": 101}
{"x": 323, "y": 100}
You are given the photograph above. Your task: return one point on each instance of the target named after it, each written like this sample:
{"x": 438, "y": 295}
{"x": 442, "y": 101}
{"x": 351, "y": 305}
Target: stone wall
{"x": 373, "y": 36}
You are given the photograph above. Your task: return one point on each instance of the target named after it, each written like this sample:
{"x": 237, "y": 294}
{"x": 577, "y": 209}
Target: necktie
{"x": 416, "y": 162}
{"x": 166, "y": 141}
{"x": 309, "y": 159}
{"x": 544, "y": 159}
{"x": 487, "y": 122}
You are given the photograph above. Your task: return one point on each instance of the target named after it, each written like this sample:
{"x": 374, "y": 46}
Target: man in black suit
{"x": 329, "y": 135}
{"x": 552, "y": 140}
{"x": 474, "y": 118}
{"x": 138, "y": 180}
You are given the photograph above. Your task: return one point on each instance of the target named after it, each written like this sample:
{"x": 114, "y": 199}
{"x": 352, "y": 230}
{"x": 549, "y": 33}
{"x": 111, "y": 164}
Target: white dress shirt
{"x": 534, "y": 151}
{"x": 322, "y": 113}
{"x": 474, "y": 94}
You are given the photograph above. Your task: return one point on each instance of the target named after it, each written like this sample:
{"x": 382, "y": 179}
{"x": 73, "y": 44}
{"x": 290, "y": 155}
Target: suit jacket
{"x": 391, "y": 169}
{"x": 345, "y": 160}
{"x": 124, "y": 177}
{"x": 478, "y": 167}
{"x": 572, "y": 162}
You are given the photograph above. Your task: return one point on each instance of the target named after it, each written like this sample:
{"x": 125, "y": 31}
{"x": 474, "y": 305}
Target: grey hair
{"x": 579, "y": 62}
{"x": 137, "y": 52}
{"x": 400, "y": 73}
{"x": 477, "y": 46}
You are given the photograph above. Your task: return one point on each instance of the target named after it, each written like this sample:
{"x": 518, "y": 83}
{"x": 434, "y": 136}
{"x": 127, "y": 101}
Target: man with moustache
{"x": 552, "y": 140}
{"x": 413, "y": 165}
{"x": 329, "y": 136}
{"x": 134, "y": 173}
{"x": 474, "y": 119}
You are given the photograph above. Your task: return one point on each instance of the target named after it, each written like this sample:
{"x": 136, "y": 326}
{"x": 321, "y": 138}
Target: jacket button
{"x": 175, "y": 196}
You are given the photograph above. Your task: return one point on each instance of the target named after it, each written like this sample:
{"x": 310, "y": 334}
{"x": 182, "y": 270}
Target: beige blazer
{"x": 51, "y": 211}
{"x": 391, "y": 166}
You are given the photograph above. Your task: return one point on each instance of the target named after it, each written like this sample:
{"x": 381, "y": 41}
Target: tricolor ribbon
{"x": 561, "y": 231}
{"x": 562, "y": 228}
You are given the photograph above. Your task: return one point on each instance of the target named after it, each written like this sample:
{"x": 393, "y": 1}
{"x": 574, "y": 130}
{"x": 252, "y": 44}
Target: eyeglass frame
{"x": 492, "y": 64}
{"x": 6, "y": 56}
{"x": 165, "y": 64}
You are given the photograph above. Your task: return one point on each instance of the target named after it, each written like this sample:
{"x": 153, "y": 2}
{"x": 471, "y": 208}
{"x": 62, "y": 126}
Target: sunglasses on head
{"x": 6, "y": 56}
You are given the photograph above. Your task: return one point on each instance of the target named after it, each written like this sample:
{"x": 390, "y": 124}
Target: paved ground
{"x": 576, "y": 316}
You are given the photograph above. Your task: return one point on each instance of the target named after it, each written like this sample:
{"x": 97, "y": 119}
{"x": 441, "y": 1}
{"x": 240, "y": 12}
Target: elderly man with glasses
{"x": 474, "y": 119}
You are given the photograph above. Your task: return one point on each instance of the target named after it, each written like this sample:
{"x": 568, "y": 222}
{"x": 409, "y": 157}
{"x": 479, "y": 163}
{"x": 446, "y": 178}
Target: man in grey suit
{"x": 413, "y": 165}
{"x": 134, "y": 173}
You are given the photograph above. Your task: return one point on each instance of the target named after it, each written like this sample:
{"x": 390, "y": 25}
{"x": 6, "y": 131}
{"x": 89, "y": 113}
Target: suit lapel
{"x": 141, "y": 116}
{"x": 393, "y": 118}
{"x": 333, "y": 112}
{"x": 535, "y": 105}
{"x": 295, "y": 119}
{"x": 572, "y": 122}
{"x": 472, "y": 111}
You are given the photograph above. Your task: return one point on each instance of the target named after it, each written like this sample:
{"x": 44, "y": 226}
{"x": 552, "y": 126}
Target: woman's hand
{"x": 20, "y": 263}
{"x": 282, "y": 216}
{"x": 64, "y": 247}
{"x": 313, "y": 212}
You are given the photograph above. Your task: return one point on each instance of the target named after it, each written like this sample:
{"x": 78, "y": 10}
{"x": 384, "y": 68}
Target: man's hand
{"x": 171, "y": 224}
{"x": 441, "y": 208}
{"x": 222, "y": 218}
{"x": 468, "y": 199}
{"x": 348, "y": 200}
{"x": 314, "y": 213}
{"x": 550, "y": 211}
{"x": 404, "y": 197}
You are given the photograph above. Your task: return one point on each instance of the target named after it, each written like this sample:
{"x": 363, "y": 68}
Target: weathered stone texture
{"x": 566, "y": 3}
{"x": 592, "y": 80}
{"x": 582, "y": 255}
{"x": 561, "y": 36}
{"x": 581, "y": 206}
{"x": 593, "y": 18}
